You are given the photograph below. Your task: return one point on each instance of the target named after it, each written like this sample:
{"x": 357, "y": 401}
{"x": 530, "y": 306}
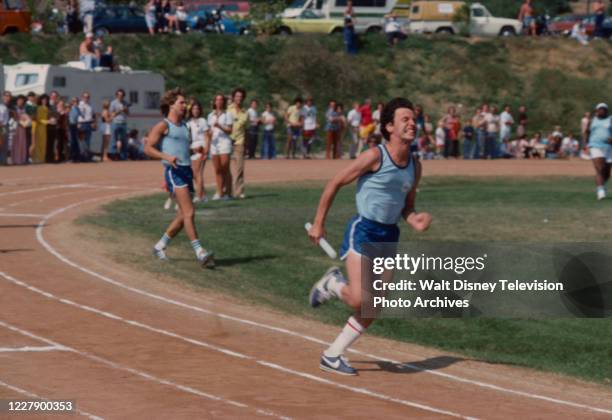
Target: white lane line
{"x": 38, "y": 397}
{"x": 37, "y": 216}
{"x": 227, "y": 351}
{"x": 481, "y": 384}
{"x": 139, "y": 373}
{"x": 47, "y": 188}
{"x": 27, "y": 349}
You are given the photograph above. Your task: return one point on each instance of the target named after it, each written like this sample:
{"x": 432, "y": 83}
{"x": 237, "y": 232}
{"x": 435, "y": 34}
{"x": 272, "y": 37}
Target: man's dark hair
{"x": 388, "y": 113}
{"x": 298, "y": 99}
{"x": 120, "y": 90}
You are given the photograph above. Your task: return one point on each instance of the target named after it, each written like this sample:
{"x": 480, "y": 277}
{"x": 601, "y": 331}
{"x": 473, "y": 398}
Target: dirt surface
{"x": 124, "y": 344}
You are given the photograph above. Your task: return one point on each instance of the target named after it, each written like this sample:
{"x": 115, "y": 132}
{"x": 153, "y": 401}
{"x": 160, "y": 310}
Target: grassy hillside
{"x": 557, "y": 79}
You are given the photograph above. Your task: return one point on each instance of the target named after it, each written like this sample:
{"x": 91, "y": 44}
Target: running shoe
{"x": 339, "y": 365}
{"x": 160, "y": 254}
{"x": 206, "y": 259}
{"x": 320, "y": 292}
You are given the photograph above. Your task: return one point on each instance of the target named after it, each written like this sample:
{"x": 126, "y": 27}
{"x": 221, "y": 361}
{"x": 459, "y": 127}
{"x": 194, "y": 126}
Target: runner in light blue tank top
{"x": 174, "y": 155}
{"x": 176, "y": 143}
{"x": 600, "y": 147}
{"x": 387, "y": 178}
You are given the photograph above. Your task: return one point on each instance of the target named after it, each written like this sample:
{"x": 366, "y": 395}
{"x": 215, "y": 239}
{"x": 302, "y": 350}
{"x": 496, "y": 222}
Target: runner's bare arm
{"x": 419, "y": 221}
{"x": 154, "y": 137}
{"x": 366, "y": 162}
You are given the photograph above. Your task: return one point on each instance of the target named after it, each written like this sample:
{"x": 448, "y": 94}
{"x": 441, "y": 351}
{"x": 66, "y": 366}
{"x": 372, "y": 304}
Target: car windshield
{"x": 297, "y": 4}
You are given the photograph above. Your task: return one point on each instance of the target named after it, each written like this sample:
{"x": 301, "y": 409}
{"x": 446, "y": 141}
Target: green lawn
{"x": 263, "y": 256}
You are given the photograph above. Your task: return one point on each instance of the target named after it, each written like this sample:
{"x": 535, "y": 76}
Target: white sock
{"x": 350, "y": 333}
{"x": 163, "y": 242}
{"x": 601, "y": 188}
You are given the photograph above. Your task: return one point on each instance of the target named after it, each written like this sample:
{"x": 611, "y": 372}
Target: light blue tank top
{"x": 176, "y": 143}
{"x": 600, "y": 132}
{"x": 381, "y": 195}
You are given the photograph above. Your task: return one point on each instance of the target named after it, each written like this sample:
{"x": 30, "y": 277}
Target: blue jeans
{"x": 490, "y": 147}
{"x": 75, "y": 152}
{"x": 119, "y": 132}
{"x": 349, "y": 40}
{"x": 268, "y": 147}
{"x": 85, "y": 128}
{"x": 468, "y": 146}
{"x": 480, "y": 139}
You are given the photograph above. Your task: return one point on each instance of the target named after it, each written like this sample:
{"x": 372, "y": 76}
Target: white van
{"x": 143, "y": 89}
{"x": 437, "y": 17}
{"x": 368, "y": 14}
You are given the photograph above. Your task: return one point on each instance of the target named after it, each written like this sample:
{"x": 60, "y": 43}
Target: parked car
{"x": 437, "y": 17}
{"x": 14, "y": 17}
{"x": 310, "y": 22}
{"x": 589, "y": 25}
{"x": 215, "y": 19}
{"x": 232, "y": 8}
{"x": 119, "y": 19}
{"x": 562, "y": 25}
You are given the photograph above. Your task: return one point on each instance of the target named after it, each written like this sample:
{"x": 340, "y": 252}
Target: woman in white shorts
{"x": 220, "y": 123}
{"x": 105, "y": 127}
{"x": 200, "y": 141}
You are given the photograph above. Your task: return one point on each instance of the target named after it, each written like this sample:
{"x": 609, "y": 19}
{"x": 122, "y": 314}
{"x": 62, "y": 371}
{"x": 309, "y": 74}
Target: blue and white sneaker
{"x": 320, "y": 292}
{"x": 339, "y": 365}
{"x": 160, "y": 254}
{"x": 206, "y": 259}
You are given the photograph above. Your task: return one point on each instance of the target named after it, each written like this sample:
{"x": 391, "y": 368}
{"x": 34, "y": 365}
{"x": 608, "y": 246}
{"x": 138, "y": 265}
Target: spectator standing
{"x": 332, "y": 131}
{"x": 584, "y": 129}
{"x": 5, "y": 116}
{"x": 492, "y": 120}
{"x": 87, "y": 52}
{"x": 479, "y": 133}
{"x": 52, "y": 140}
{"x": 19, "y": 147}
{"x": 161, "y": 24}
{"x": 220, "y": 122}
{"x": 354, "y": 121}
{"x": 30, "y": 109}
{"x": 150, "y": 18}
{"x": 506, "y": 121}
{"x": 469, "y": 135}
{"x": 170, "y": 16}
{"x": 310, "y": 127}
{"x": 440, "y": 139}
{"x": 366, "y": 125}
{"x": 599, "y": 9}
{"x": 343, "y": 127}
{"x": 119, "y": 110}
{"x": 253, "y": 130}
{"x": 376, "y": 117}
{"x": 452, "y": 126}
{"x": 62, "y": 130}
{"x": 73, "y": 127}
{"x": 526, "y": 16}
{"x": 522, "y": 121}
{"x": 200, "y": 145}
{"x": 40, "y": 136}
{"x": 268, "y": 147}
{"x": 86, "y": 10}
{"x": 86, "y": 125}
{"x": 106, "y": 121}
{"x": 240, "y": 121}
{"x": 295, "y": 121}
{"x": 350, "y": 40}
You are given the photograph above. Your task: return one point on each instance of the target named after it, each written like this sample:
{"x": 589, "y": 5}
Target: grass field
{"x": 264, "y": 257}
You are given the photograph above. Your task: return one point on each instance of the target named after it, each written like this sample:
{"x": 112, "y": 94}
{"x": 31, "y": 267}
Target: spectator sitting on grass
{"x": 135, "y": 146}
{"x": 170, "y": 15}
{"x": 87, "y": 52}
{"x": 579, "y": 33}
{"x": 522, "y": 147}
{"x": 104, "y": 55}
{"x": 393, "y": 30}
{"x": 537, "y": 146}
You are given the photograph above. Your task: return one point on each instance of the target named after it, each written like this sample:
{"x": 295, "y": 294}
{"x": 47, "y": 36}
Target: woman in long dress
{"x": 40, "y": 135}
{"x": 19, "y": 148}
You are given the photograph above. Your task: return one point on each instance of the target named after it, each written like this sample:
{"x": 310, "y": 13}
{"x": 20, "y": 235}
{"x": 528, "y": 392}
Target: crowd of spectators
{"x": 49, "y": 128}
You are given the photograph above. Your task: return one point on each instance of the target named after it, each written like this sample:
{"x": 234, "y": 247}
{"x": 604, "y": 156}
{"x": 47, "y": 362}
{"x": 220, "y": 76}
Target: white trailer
{"x": 143, "y": 89}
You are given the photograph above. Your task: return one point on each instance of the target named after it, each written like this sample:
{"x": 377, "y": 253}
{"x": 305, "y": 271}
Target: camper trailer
{"x": 143, "y": 89}
{"x": 368, "y": 13}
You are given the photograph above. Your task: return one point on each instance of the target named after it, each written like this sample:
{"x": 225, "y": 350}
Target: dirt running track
{"x": 76, "y": 326}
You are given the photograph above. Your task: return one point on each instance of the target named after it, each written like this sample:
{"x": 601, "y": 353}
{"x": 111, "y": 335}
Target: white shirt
{"x": 505, "y": 118}
{"x": 440, "y": 135}
{"x": 492, "y": 122}
{"x": 86, "y": 112}
{"x": 198, "y": 127}
{"x": 4, "y": 115}
{"x": 392, "y": 25}
{"x": 268, "y": 119}
{"x": 354, "y": 118}
{"x": 225, "y": 119}
{"x": 310, "y": 117}
{"x": 253, "y": 116}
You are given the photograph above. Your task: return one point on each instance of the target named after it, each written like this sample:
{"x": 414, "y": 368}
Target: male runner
{"x": 174, "y": 154}
{"x": 388, "y": 176}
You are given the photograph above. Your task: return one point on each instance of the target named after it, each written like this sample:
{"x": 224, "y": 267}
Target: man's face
{"x": 53, "y": 97}
{"x": 85, "y": 97}
{"x": 219, "y": 102}
{"x": 254, "y": 104}
{"x": 6, "y": 98}
{"x": 31, "y": 99}
{"x": 404, "y": 125}
{"x": 332, "y": 105}
{"x": 120, "y": 95}
{"x": 298, "y": 104}
{"x": 485, "y": 108}
{"x": 179, "y": 106}
{"x": 602, "y": 112}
